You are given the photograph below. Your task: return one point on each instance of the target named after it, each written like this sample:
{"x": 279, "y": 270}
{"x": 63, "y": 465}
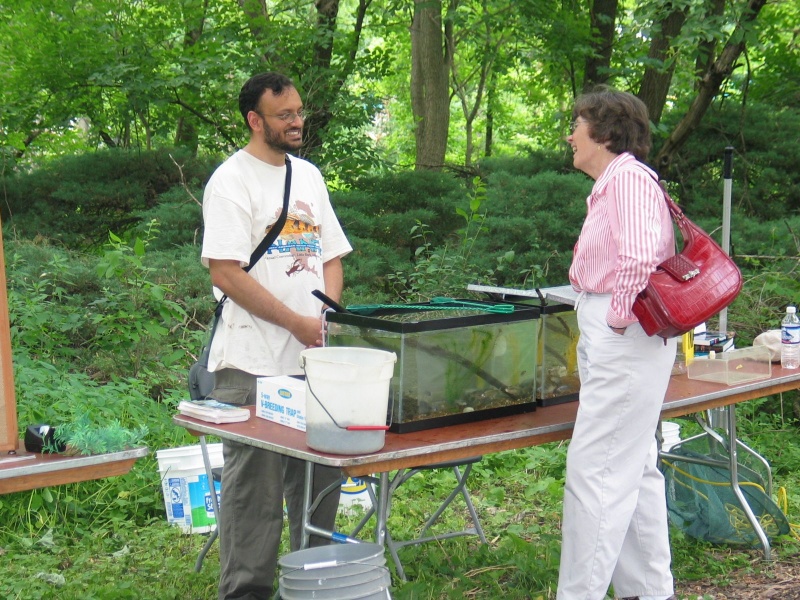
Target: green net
{"x": 701, "y": 501}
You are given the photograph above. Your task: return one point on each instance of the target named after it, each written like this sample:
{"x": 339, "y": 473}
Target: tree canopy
{"x": 387, "y": 83}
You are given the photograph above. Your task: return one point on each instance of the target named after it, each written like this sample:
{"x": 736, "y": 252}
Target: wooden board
{"x": 8, "y": 402}
{"x": 29, "y": 471}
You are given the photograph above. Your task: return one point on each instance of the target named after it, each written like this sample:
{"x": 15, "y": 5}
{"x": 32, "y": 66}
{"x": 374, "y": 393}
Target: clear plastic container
{"x": 734, "y": 367}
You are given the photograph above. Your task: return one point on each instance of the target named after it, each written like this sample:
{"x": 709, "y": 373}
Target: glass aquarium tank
{"x": 557, "y": 343}
{"x": 457, "y": 361}
{"x": 558, "y": 355}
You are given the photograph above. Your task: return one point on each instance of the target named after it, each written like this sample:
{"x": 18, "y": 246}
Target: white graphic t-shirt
{"x": 241, "y": 201}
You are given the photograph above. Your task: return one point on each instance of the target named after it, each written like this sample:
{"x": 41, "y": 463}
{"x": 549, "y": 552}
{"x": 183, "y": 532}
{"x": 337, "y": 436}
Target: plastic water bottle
{"x": 790, "y": 339}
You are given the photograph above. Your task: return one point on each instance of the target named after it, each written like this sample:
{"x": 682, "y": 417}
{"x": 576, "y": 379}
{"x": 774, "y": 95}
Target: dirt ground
{"x": 778, "y": 580}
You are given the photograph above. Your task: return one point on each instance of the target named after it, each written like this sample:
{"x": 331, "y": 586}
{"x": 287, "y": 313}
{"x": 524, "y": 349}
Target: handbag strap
{"x": 674, "y": 209}
{"x": 264, "y": 244}
{"x": 688, "y": 230}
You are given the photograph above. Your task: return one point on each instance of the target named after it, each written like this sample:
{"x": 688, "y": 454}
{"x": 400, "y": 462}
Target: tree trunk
{"x": 470, "y": 84}
{"x": 490, "y": 102}
{"x": 259, "y": 23}
{"x": 656, "y": 81}
{"x": 603, "y": 17}
{"x": 323, "y": 74}
{"x": 256, "y": 14}
{"x": 324, "y": 79}
{"x": 186, "y": 134}
{"x": 706, "y": 48}
{"x": 322, "y": 93}
{"x": 709, "y": 87}
{"x": 430, "y": 97}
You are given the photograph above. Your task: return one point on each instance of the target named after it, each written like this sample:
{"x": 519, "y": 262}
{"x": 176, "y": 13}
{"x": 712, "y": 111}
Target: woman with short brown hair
{"x": 615, "y": 515}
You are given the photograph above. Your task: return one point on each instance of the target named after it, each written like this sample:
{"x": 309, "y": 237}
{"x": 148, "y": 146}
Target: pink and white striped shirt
{"x": 626, "y": 234}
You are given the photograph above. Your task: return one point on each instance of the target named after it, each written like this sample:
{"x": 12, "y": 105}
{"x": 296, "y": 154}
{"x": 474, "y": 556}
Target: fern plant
{"x": 84, "y": 437}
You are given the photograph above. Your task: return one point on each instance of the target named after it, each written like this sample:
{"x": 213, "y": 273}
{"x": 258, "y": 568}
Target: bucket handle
{"x": 348, "y": 427}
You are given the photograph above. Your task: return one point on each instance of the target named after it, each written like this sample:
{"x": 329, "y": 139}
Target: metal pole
{"x": 726, "y": 221}
{"x": 716, "y": 416}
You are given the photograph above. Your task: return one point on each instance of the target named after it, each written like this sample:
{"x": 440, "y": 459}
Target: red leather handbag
{"x": 690, "y": 287}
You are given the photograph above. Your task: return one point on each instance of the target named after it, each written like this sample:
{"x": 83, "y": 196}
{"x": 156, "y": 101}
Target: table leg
{"x": 310, "y": 504}
{"x": 210, "y": 476}
{"x": 214, "y": 503}
{"x": 732, "y": 454}
{"x": 382, "y": 510}
{"x": 731, "y": 447}
{"x": 308, "y": 490}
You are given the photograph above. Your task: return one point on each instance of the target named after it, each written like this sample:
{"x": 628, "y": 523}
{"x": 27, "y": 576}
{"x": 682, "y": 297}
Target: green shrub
{"x": 539, "y": 218}
{"x": 181, "y": 218}
{"x": 528, "y": 227}
{"x": 78, "y": 199}
{"x": 765, "y": 178}
{"x": 116, "y": 326}
{"x": 527, "y": 166}
{"x": 366, "y": 269}
{"x": 385, "y": 208}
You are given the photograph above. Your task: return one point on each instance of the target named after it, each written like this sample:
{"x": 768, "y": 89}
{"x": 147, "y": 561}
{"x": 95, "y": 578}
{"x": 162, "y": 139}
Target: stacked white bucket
{"x": 187, "y": 493}
{"x": 670, "y": 435}
{"x": 335, "y": 572}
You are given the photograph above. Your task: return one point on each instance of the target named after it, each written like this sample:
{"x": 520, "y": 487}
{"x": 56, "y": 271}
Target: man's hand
{"x": 308, "y": 330}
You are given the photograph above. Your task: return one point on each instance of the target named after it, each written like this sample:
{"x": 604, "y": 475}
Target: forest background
{"x": 439, "y": 127}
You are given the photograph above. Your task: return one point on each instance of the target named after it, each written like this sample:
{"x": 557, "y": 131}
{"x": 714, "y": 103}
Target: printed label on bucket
{"x": 202, "y": 507}
{"x": 354, "y": 492}
{"x": 176, "y": 500}
{"x": 175, "y": 485}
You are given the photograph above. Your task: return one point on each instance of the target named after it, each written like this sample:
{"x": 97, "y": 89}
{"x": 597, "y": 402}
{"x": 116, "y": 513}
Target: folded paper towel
{"x": 772, "y": 341}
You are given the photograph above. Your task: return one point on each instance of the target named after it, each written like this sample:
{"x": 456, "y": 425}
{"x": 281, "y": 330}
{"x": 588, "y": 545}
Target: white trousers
{"x": 615, "y": 514}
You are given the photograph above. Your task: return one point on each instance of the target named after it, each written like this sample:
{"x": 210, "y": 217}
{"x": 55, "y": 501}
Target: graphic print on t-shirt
{"x": 299, "y": 239}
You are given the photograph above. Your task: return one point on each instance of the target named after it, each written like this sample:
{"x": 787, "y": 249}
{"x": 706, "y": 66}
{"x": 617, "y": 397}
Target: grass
{"x": 109, "y": 539}
{"x": 517, "y": 494}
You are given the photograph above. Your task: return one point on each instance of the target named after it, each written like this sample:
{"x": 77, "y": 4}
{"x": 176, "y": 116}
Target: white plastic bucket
{"x": 347, "y": 390}
{"x": 184, "y": 483}
{"x": 335, "y": 572}
{"x": 670, "y": 435}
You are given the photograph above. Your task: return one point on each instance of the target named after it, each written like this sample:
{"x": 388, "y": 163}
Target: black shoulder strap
{"x": 266, "y": 242}
{"x": 276, "y": 228}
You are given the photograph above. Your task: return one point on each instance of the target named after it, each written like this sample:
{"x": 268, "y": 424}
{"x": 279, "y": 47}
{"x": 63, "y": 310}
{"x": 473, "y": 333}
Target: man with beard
{"x": 269, "y": 318}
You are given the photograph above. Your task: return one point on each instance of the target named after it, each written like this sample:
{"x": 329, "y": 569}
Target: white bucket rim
{"x": 349, "y": 553}
{"x": 189, "y": 450}
{"x": 318, "y": 354}
{"x": 339, "y": 571}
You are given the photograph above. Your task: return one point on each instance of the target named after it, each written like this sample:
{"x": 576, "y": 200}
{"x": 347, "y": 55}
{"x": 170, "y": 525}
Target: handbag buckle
{"x": 691, "y": 274}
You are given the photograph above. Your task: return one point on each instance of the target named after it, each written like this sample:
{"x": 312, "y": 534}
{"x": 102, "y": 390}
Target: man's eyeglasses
{"x": 287, "y": 117}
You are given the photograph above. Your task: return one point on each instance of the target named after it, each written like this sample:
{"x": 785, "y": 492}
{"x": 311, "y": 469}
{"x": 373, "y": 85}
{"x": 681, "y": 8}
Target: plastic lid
{"x": 791, "y": 310}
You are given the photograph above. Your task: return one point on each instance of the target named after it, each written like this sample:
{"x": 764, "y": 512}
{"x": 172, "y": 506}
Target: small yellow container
{"x": 687, "y": 345}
